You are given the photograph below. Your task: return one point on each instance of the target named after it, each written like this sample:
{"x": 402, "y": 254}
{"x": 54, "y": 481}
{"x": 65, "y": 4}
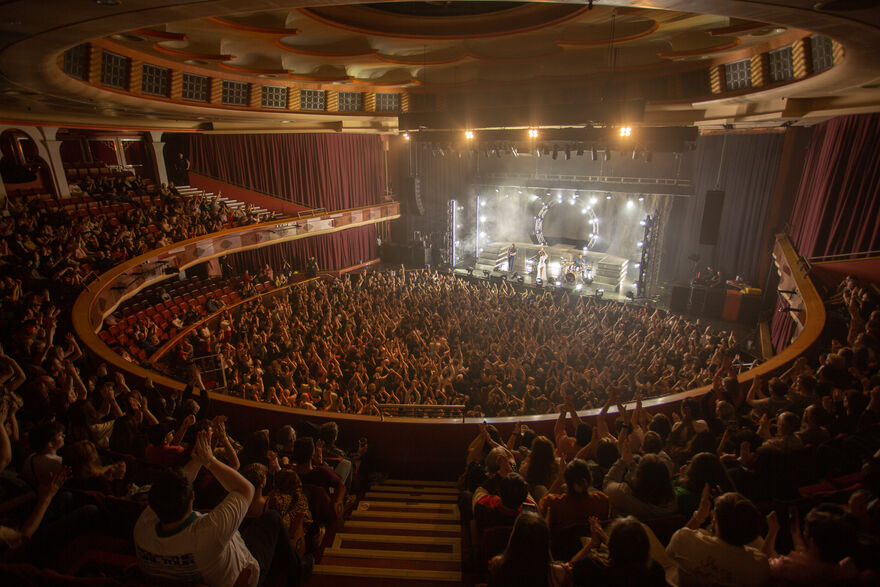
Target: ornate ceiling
{"x": 434, "y": 47}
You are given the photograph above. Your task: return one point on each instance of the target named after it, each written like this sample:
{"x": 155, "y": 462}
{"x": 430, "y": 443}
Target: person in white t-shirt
{"x": 731, "y": 556}
{"x": 175, "y": 543}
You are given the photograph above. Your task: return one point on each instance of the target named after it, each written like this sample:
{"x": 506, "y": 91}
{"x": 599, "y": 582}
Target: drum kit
{"x": 577, "y": 273}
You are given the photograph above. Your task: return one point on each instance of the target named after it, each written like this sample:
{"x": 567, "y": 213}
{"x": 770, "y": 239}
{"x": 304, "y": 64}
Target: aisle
{"x": 402, "y": 533}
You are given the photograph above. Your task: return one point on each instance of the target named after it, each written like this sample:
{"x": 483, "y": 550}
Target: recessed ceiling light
{"x": 195, "y": 62}
{"x": 268, "y": 75}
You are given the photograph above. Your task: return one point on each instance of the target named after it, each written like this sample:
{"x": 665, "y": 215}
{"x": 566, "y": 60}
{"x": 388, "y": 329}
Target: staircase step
{"x": 418, "y": 483}
{"x": 391, "y": 568}
{"x": 413, "y": 489}
{"x": 443, "y": 533}
{"x": 415, "y": 508}
{"x": 434, "y": 516}
{"x": 433, "y": 497}
{"x": 454, "y": 542}
{"x": 382, "y": 525}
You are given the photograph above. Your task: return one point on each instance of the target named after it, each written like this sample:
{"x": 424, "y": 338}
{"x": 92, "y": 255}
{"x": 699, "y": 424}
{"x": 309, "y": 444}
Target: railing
{"x": 859, "y": 255}
{"x": 102, "y": 296}
{"x": 432, "y": 446}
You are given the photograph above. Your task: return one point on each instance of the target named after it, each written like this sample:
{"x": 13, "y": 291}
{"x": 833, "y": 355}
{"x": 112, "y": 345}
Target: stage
{"x": 601, "y": 271}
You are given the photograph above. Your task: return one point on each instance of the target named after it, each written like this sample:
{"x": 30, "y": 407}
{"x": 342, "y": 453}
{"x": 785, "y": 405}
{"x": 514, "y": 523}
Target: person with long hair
{"x": 527, "y": 562}
{"x": 704, "y": 468}
{"x": 643, "y": 490}
{"x": 540, "y": 467}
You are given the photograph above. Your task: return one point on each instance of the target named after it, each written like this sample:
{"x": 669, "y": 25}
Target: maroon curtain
{"x": 839, "y": 195}
{"x": 332, "y": 251}
{"x": 333, "y": 171}
{"x": 782, "y": 328}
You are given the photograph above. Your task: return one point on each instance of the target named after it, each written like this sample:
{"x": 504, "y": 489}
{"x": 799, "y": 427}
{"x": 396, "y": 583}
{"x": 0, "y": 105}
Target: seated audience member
{"x": 162, "y": 449}
{"x": 786, "y": 439}
{"x": 704, "y": 468}
{"x": 527, "y": 562}
{"x": 821, "y": 555}
{"x": 47, "y": 438}
{"x": 643, "y": 490}
{"x": 652, "y": 444}
{"x": 330, "y": 503}
{"x": 812, "y": 432}
{"x": 540, "y": 468}
{"x": 256, "y": 474}
{"x": 290, "y": 501}
{"x": 629, "y": 557}
{"x": 578, "y": 503}
{"x": 334, "y": 455}
{"x": 498, "y": 465}
{"x": 88, "y": 474}
{"x": 729, "y": 556}
{"x": 174, "y": 543}
{"x": 502, "y": 509}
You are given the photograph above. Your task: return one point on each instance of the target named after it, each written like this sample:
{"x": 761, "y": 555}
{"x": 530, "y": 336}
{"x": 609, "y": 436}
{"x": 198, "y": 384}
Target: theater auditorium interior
{"x": 440, "y": 293}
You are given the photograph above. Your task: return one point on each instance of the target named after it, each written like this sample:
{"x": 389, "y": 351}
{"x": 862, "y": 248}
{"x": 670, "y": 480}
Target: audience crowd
{"x": 779, "y": 485}
{"x": 776, "y": 484}
{"x": 424, "y": 337}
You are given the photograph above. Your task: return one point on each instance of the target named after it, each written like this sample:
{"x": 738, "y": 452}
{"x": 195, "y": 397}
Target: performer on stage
{"x": 542, "y": 265}
{"x": 511, "y": 257}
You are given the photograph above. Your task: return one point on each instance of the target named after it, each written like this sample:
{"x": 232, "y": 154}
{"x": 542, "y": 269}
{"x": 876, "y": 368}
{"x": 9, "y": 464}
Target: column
{"x": 51, "y": 152}
{"x": 159, "y": 156}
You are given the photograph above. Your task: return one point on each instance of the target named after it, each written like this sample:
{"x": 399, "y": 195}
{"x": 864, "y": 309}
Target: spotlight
{"x": 607, "y": 196}
{"x": 558, "y": 283}
{"x": 642, "y": 222}
{"x": 533, "y": 133}
{"x": 626, "y": 131}
{"x": 579, "y": 287}
{"x": 406, "y": 136}
{"x": 641, "y": 198}
{"x": 600, "y": 293}
{"x": 630, "y": 203}
{"x": 469, "y": 134}
{"x": 539, "y": 282}
{"x": 640, "y": 244}
{"x": 594, "y": 200}
{"x": 583, "y": 210}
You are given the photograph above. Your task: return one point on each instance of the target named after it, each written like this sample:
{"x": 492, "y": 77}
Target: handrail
{"x": 102, "y": 296}
{"x": 855, "y": 256}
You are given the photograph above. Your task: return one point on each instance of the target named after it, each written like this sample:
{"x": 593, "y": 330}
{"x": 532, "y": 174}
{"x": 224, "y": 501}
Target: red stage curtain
{"x": 333, "y": 171}
{"x": 332, "y": 251}
{"x": 839, "y": 195}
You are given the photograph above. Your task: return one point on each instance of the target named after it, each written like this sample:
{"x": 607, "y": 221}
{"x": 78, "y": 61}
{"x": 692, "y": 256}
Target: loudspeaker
{"x": 750, "y": 310}
{"x": 714, "y": 304}
{"x": 678, "y": 303}
{"x": 711, "y": 217}
{"x": 417, "y": 195}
